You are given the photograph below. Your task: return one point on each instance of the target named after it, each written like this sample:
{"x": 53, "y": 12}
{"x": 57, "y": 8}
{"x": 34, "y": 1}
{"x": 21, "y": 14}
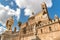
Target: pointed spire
{"x": 56, "y": 17}
{"x": 44, "y": 8}
{"x": 44, "y": 5}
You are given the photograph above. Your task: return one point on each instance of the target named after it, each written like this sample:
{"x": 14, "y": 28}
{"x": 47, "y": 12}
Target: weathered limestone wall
{"x": 51, "y": 32}
{"x": 8, "y": 35}
{"x": 0, "y": 37}
{"x": 29, "y": 37}
{"x": 15, "y": 38}
{"x": 50, "y": 36}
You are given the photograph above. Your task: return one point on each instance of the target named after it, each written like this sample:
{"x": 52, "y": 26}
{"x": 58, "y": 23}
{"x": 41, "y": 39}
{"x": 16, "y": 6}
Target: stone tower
{"x": 9, "y": 23}
{"x": 44, "y": 9}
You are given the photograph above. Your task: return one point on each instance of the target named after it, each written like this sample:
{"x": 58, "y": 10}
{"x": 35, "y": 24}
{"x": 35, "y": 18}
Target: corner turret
{"x": 9, "y": 23}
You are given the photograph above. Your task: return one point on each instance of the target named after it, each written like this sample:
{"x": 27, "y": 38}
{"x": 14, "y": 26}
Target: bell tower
{"x": 44, "y": 9}
{"x": 9, "y": 23}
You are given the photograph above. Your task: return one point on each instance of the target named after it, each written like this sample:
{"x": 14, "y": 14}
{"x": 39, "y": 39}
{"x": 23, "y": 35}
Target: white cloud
{"x": 2, "y": 29}
{"x": 27, "y": 11}
{"x": 34, "y": 5}
{"x": 6, "y": 12}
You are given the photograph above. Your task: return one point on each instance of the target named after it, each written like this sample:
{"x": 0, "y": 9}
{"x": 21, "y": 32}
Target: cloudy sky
{"x": 21, "y": 9}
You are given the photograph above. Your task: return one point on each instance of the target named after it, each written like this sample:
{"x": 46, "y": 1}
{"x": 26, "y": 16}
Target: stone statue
{"x": 9, "y": 23}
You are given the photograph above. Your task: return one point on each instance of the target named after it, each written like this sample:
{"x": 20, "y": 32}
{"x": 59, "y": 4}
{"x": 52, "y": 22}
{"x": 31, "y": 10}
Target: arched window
{"x": 37, "y": 25}
{"x": 39, "y": 22}
{"x": 24, "y": 30}
{"x": 50, "y": 29}
{"x": 41, "y": 31}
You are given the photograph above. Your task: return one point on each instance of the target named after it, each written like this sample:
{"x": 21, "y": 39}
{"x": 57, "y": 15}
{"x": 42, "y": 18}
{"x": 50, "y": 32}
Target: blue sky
{"x": 55, "y": 9}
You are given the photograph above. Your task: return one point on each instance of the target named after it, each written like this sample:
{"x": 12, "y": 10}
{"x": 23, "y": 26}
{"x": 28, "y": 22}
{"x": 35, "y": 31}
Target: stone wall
{"x": 0, "y": 37}
{"x": 51, "y": 32}
{"x": 8, "y": 35}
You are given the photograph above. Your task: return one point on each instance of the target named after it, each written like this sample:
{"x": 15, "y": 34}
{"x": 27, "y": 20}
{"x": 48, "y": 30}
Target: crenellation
{"x": 50, "y": 22}
{"x": 53, "y": 21}
{"x": 56, "y": 20}
{"x": 59, "y": 18}
{"x": 47, "y": 23}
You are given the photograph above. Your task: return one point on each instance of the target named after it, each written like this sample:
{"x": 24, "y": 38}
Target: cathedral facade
{"x": 38, "y": 27}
